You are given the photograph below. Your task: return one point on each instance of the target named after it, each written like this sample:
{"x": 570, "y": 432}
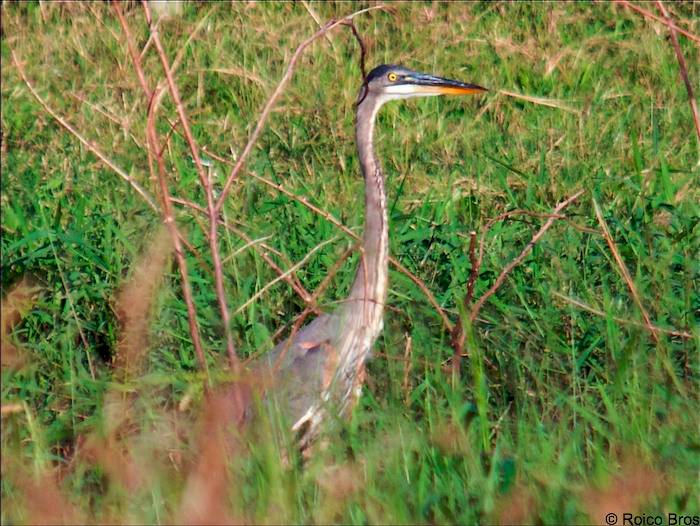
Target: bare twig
{"x": 682, "y": 66}
{"x": 169, "y": 220}
{"x": 598, "y": 312}
{"x": 90, "y": 145}
{"x": 458, "y": 336}
{"x": 528, "y": 248}
{"x": 426, "y": 292}
{"x": 312, "y": 304}
{"x": 623, "y": 270}
{"x": 155, "y": 156}
{"x": 363, "y": 54}
{"x": 506, "y": 215}
{"x": 243, "y": 157}
{"x": 648, "y": 14}
{"x": 135, "y": 57}
{"x": 260, "y": 248}
{"x": 293, "y": 268}
{"x": 332, "y": 219}
{"x": 209, "y": 192}
{"x": 474, "y": 270}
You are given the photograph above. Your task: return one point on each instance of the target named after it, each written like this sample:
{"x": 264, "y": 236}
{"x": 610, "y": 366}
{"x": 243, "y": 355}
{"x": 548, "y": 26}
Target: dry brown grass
{"x": 450, "y": 439}
{"x": 339, "y": 483}
{"x": 517, "y": 507}
{"x": 204, "y": 499}
{"x": 39, "y": 499}
{"x": 633, "y": 486}
{"x": 134, "y": 302}
{"x": 17, "y": 302}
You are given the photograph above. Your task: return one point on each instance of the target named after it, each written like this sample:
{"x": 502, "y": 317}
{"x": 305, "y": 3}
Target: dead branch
{"x": 209, "y": 192}
{"x": 458, "y": 334}
{"x": 623, "y": 270}
{"x": 682, "y": 66}
{"x": 276, "y": 94}
{"x": 598, "y": 312}
{"x": 312, "y": 304}
{"x": 90, "y": 145}
{"x": 648, "y": 14}
{"x": 291, "y": 269}
{"x": 528, "y": 248}
{"x": 332, "y": 219}
{"x": 155, "y": 156}
{"x": 260, "y": 248}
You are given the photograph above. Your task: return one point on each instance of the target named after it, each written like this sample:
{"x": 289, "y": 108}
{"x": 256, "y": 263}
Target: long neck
{"x": 370, "y": 284}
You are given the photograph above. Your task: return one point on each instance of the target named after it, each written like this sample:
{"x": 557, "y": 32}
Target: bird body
{"x": 322, "y": 367}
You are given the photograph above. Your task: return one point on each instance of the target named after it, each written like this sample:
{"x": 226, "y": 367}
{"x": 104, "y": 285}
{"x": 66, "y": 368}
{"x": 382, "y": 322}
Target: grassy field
{"x": 567, "y": 407}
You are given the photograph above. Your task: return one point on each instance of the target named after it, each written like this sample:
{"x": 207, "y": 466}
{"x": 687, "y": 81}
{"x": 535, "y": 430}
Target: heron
{"x": 319, "y": 371}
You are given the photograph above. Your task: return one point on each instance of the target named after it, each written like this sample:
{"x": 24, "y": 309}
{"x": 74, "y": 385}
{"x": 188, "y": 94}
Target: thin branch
{"x": 426, "y": 292}
{"x": 169, "y": 220}
{"x": 517, "y": 212}
{"x": 517, "y": 260}
{"x": 293, "y": 268}
{"x": 209, "y": 192}
{"x": 598, "y": 312}
{"x": 276, "y": 94}
{"x": 649, "y": 14}
{"x": 135, "y": 57}
{"x": 682, "y": 66}
{"x": 332, "y": 219}
{"x": 474, "y": 269}
{"x": 458, "y": 335}
{"x": 90, "y": 145}
{"x": 290, "y": 278}
{"x": 623, "y": 270}
{"x": 363, "y": 54}
{"x": 154, "y": 156}
{"x": 312, "y": 304}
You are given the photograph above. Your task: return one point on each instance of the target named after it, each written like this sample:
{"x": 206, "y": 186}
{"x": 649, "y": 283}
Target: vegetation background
{"x": 567, "y": 407}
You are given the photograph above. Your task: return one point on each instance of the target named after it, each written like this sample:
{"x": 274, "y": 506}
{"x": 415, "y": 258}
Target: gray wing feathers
{"x": 298, "y": 383}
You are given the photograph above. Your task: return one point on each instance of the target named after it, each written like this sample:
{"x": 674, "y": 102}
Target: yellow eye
{"x": 392, "y": 77}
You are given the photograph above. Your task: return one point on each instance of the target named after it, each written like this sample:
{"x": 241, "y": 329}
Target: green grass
{"x": 558, "y": 409}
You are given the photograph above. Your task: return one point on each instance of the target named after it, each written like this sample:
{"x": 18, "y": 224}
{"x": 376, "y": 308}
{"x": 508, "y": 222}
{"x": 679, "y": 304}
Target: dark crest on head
{"x": 378, "y": 72}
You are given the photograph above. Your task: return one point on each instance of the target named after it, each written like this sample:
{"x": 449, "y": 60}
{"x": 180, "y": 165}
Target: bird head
{"x": 390, "y": 82}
